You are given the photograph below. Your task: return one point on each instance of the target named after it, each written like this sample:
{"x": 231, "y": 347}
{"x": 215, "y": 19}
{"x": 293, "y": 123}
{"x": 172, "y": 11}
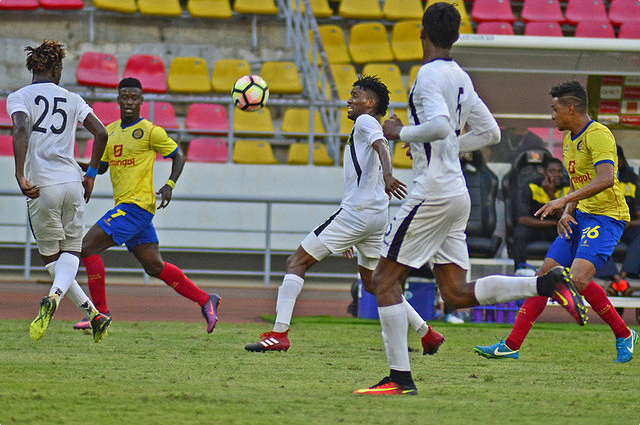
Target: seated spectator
{"x": 550, "y": 185}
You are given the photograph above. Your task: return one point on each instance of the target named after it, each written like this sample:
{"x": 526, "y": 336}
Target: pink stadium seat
{"x": 627, "y": 30}
{"x": 624, "y": 11}
{"x": 594, "y": 29}
{"x": 207, "y": 150}
{"x": 88, "y": 148}
{"x": 585, "y": 10}
{"x": 107, "y": 112}
{"x": 149, "y": 70}
{"x": 163, "y": 115}
{"x": 62, "y": 4}
{"x": 19, "y": 5}
{"x": 208, "y": 118}
{"x": 492, "y": 10}
{"x": 541, "y": 11}
{"x": 162, "y": 158}
{"x": 551, "y": 29}
{"x": 98, "y": 69}
{"x": 6, "y": 145}
{"x": 496, "y": 28}
{"x": 5, "y": 119}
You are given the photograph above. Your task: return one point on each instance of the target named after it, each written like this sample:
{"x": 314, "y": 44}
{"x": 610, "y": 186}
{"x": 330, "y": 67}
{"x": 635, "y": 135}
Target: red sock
{"x": 595, "y": 295}
{"x": 173, "y": 276}
{"x": 529, "y": 312}
{"x": 97, "y": 286}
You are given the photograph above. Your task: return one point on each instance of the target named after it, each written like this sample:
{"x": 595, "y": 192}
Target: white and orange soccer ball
{"x": 250, "y": 93}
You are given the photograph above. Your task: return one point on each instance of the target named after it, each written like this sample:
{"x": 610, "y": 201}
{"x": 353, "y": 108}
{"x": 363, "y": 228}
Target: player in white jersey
{"x": 360, "y": 221}
{"x": 431, "y": 223}
{"x": 44, "y": 118}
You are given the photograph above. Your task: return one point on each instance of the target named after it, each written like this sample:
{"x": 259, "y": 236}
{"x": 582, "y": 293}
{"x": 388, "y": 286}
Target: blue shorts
{"x": 592, "y": 239}
{"x": 129, "y": 224}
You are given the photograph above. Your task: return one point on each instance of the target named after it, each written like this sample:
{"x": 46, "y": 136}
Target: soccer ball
{"x": 250, "y": 93}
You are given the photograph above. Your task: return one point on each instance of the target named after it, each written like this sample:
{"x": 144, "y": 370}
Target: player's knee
{"x": 153, "y": 268}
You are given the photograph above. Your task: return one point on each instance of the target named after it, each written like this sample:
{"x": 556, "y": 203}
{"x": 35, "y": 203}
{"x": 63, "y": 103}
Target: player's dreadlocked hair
{"x": 374, "y": 85}
{"x": 441, "y": 21}
{"x": 44, "y": 57}
{"x": 573, "y": 93}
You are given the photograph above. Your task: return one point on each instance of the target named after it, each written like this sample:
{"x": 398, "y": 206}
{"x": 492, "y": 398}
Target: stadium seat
{"x": 19, "y": 5}
{"x": 98, "y": 69}
{"x": 258, "y": 121}
{"x": 188, "y": 75}
{"x": 334, "y": 45}
{"x": 255, "y": 7}
{"x": 621, "y": 11}
{"x": 160, "y": 158}
{"x": 6, "y": 145}
{"x": 629, "y": 30}
{"x": 405, "y": 41}
{"x": 496, "y": 28}
{"x": 398, "y": 10}
{"x": 207, "y": 150}
{"x": 541, "y": 11}
{"x": 5, "y": 119}
{"x": 547, "y": 134}
{"x": 413, "y": 73}
{"x": 298, "y": 154}
{"x": 163, "y": 114}
{"x": 226, "y": 72}
{"x": 281, "y": 77}
{"x": 390, "y": 75}
{"x": 492, "y": 10}
{"x": 594, "y": 29}
{"x": 360, "y": 9}
{"x": 585, "y": 10}
{"x": 216, "y": 9}
{"x": 149, "y": 70}
{"x": 107, "y": 112}
{"x": 346, "y": 125}
{"x": 88, "y": 149}
{"x": 296, "y": 120}
{"x": 160, "y": 7}
{"x": 466, "y": 27}
{"x": 207, "y": 118}
{"x": 320, "y": 8}
{"x": 464, "y": 16}
{"x": 120, "y": 6}
{"x": 344, "y": 76}
{"x": 400, "y": 158}
{"x": 552, "y": 29}
{"x": 369, "y": 43}
{"x": 61, "y": 4}
{"x": 253, "y": 152}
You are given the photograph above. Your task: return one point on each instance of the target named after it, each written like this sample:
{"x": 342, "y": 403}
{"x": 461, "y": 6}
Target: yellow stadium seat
{"x": 333, "y": 42}
{"x": 397, "y": 10}
{"x": 400, "y": 158}
{"x": 253, "y": 152}
{"x": 464, "y": 16}
{"x": 216, "y": 9}
{"x": 320, "y": 8}
{"x": 346, "y": 125}
{"x": 405, "y": 41}
{"x": 296, "y": 120}
{"x": 120, "y": 6}
{"x": 360, "y": 9}
{"x": 413, "y": 73}
{"x": 465, "y": 27}
{"x": 390, "y": 75}
{"x": 344, "y": 76}
{"x": 369, "y": 43}
{"x": 255, "y": 7}
{"x": 281, "y": 77}
{"x": 160, "y": 7}
{"x": 258, "y": 121}
{"x": 188, "y": 75}
{"x": 226, "y": 72}
{"x": 299, "y": 154}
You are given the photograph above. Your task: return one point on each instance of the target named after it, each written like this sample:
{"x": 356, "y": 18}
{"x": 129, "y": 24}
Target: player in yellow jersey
{"x": 594, "y": 214}
{"x": 131, "y": 150}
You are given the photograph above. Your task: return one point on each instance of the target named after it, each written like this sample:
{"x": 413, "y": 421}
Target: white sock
{"x": 414, "y": 319}
{"x": 393, "y": 320}
{"x": 66, "y": 268}
{"x": 287, "y": 294}
{"x": 75, "y": 292}
{"x": 498, "y": 289}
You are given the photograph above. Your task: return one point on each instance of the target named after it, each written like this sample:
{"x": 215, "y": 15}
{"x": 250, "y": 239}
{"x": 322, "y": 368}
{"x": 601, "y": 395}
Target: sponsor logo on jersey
{"x": 122, "y": 162}
{"x": 581, "y": 179}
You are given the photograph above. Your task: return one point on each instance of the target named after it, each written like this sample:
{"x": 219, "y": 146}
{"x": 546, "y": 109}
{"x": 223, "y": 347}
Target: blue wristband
{"x": 92, "y": 172}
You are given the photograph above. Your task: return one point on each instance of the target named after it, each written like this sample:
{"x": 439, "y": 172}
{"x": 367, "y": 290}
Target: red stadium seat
{"x": 594, "y": 29}
{"x": 492, "y": 10}
{"x": 62, "y": 4}
{"x": 207, "y": 118}
{"x": 163, "y": 115}
{"x": 551, "y": 29}
{"x": 585, "y": 10}
{"x": 496, "y": 28}
{"x": 107, "y": 112}
{"x": 207, "y": 150}
{"x": 5, "y": 119}
{"x": 624, "y": 11}
{"x": 627, "y": 30}
{"x": 98, "y": 69}
{"x": 541, "y": 11}
{"x": 19, "y": 5}
{"x": 6, "y": 145}
{"x": 149, "y": 70}
{"x": 88, "y": 149}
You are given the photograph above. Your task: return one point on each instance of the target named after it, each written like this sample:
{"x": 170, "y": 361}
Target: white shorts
{"x": 347, "y": 228}
{"x": 57, "y": 218}
{"x": 429, "y": 231}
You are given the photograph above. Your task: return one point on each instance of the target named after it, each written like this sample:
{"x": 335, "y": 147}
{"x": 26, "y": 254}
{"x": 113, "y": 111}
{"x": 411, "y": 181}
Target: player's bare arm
{"x": 100, "y": 136}
{"x": 20, "y": 134}
{"x": 392, "y": 186}
{"x": 166, "y": 191}
{"x": 391, "y": 127}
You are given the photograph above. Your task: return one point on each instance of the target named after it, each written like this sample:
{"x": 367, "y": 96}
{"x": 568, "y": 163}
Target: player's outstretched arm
{"x": 166, "y": 191}
{"x": 21, "y": 134}
{"x": 100, "y": 137}
{"x": 392, "y": 185}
